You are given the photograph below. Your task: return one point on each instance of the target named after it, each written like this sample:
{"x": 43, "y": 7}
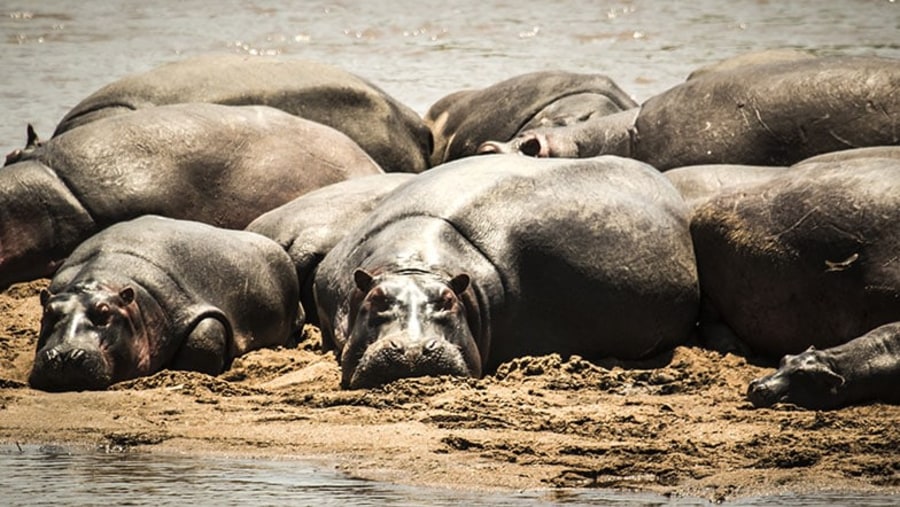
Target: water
{"x": 54, "y": 53}
{"x": 45, "y": 475}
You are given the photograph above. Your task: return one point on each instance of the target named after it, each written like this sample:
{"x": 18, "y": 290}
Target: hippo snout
{"x": 64, "y": 368}
{"x": 764, "y": 392}
{"x": 396, "y": 357}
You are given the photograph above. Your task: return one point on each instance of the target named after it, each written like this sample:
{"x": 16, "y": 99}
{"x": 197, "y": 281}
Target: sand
{"x": 678, "y": 424}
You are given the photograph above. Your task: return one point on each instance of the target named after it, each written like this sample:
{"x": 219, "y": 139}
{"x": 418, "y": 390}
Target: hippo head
{"x": 88, "y": 340}
{"x": 32, "y": 143}
{"x": 539, "y": 143}
{"x": 807, "y": 379}
{"x": 408, "y": 324}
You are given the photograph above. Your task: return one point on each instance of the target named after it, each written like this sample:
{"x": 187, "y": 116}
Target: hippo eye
{"x": 378, "y": 300}
{"x": 101, "y": 314}
{"x": 446, "y": 301}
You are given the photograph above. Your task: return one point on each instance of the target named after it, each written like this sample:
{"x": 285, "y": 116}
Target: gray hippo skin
{"x": 309, "y": 226}
{"x": 223, "y": 165}
{"x": 490, "y": 258}
{"x": 155, "y": 293}
{"x": 772, "y": 114}
{"x": 462, "y": 121}
{"x": 752, "y": 58}
{"x": 699, "y": 183}
{"x": 864, "y": 369}
{"x": 392, "y": 133}
{"x": 808, "y": 258}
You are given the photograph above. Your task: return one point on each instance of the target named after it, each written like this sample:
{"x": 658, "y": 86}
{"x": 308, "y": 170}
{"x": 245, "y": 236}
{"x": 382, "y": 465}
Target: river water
{"x": 54, "y": 53}
{"x": 61, "y": 476}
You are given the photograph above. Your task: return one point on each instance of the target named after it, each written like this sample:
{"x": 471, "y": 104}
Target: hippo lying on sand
{"x": 392, "y": 133}
{"x": 486, "y": 259}
{"x": 462, "y": 121}
{"x": 309, "y": 226}
{"x": 807, "y": 258}
{"x": 864, "y": 369}
{"x": 154, "y": 293}
{"x": 222, "y": 165}
{"x": 773, "y": 114}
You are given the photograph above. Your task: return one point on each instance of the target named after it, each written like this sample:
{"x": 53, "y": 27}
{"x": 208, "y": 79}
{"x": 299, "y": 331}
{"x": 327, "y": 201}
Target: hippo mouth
{"x": 384, "y": 362}
{"x": 75, "y": 369}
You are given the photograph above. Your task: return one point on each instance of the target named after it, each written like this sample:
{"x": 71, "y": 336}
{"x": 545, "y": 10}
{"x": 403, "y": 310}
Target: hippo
{"x": 698, "y": 183}
{"x": 485, "y": 259}
{"x": 154, "y": 293}
{"x": 393, "y": 134}
{"x": 463, "y": 120}
{"x": 769, "y": 114}
{"x": 309, "y": 226}
{"x": 752, "y": 58}
{"x": 864, "y": 369}
{"x": 806, "y": 258}
{"x": 32, "y": 142}
{"x": 223, "y": 165}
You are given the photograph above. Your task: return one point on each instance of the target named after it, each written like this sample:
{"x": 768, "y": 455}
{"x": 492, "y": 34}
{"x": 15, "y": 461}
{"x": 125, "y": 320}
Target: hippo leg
{"x": 205, "y": 348}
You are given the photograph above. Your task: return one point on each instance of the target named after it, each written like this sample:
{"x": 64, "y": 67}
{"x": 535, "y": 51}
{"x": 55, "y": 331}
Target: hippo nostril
{"x": 51, "y": 355}
{"x": 395, "y": 344}
{"x": 430, "y": 346}
{"x": 76, "y": 354}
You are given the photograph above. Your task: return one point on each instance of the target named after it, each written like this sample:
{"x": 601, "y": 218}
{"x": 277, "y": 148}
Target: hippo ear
{"x": 363, "y": 279}
{"x": 32, "y": 139}
{"x": 45, "y": 296}
{"x": 460, "y": 283}
{"x": 127, "y": 295}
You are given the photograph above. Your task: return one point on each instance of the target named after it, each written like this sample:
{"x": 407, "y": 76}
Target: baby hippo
{"x": 155, "y": 293}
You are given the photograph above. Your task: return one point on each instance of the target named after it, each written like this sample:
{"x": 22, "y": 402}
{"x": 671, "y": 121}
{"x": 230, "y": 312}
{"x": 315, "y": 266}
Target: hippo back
{"x": 806, "y": 258}
{"x": 392, "y": 133}
{"x": 223, "y": 165}
{"x": 755, "y": 115}
{"x": 593, "y": 256}
{"x": 464, "y": 120}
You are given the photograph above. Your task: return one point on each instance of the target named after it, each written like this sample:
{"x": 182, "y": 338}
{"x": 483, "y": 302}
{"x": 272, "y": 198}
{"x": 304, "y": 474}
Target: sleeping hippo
{"x": 864, "y": 369}
{"x": 392, "y": 133}
{"x": 224, "y": 165}
{"x": 309, "y": 226}
{"x": 463, "y": 120}
{"x": 485, "y": 259}
{"x": 806, "y": 258}
{"x": 772, "y": 114}
{"x": 154, "y": 293}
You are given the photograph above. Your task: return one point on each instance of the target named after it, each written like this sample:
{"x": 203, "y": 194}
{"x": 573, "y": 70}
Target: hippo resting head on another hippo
{"x": 393, "y": 134}
{"x": 223, "y": 165}
{"x": 864, "y": 369}
{"x": 769, "y": 114}
{"x": 154, "y": 293}
{"x": 463, "y": 120}
{"x": 486, "y": 259}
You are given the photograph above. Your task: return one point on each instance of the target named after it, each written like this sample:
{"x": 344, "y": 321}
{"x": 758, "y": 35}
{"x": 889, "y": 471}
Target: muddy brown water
{"x": 56, "y": 53}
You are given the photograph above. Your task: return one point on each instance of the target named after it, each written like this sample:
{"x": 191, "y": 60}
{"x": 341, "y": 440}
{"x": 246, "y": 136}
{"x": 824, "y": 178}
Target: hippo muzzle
{"x": 67, "y": 367}
{"x": 397, "y": 356}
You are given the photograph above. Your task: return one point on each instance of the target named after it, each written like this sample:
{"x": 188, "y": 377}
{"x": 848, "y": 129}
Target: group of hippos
{"x": 212, "y": 206}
